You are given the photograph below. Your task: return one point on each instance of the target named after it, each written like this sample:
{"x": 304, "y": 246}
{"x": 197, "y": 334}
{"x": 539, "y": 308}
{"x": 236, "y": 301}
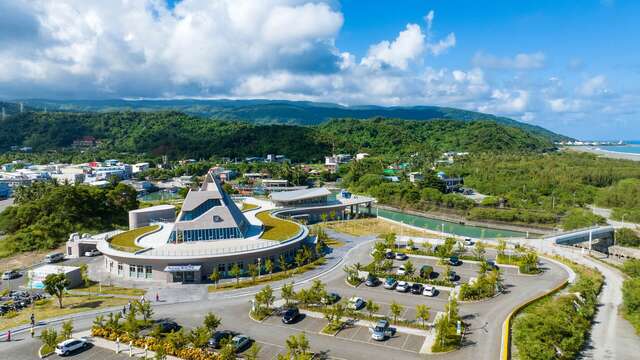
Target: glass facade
{"x": 200, "y": 209}
{"x": 207, "y": 234}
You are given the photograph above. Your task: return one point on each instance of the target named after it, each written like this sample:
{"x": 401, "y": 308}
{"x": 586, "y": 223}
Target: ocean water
{"x": 631, "y": 147}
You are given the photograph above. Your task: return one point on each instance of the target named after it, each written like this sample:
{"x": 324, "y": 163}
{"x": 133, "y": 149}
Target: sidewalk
{"x": 123, "y": 348}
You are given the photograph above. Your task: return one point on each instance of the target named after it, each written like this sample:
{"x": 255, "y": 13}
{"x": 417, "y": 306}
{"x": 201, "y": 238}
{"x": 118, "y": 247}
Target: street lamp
{"x": 259, "y": 268}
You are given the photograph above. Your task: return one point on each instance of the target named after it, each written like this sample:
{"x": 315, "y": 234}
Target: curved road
{"x": 481, "y": 342}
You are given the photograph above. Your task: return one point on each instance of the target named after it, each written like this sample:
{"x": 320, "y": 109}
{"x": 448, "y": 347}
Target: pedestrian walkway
{"x": 118, "y": 347}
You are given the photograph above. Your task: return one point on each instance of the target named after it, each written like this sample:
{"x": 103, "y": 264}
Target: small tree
{"x": 372, "y": 308}
{"x": 335, "y": 314}
{"x": 287, "y": 293}
{"x": 236, "y": 272}
{"x": 479, "y": 251}
{"x": 228, "y": 352}
{"x": 98, "y": 322}
{"x": 49, "y": 337}
{"x": 423, "y": 312}
{"x": 409, "y": 269}
{"x": 211, "y": 321}
{"x": 131, "y": 325}
{"x": 323, "y": 217}
{"x": 483, "y": 267}
{"x": 84, "y": 274}
{"x": 215, "y": 276}
{"x": 318, "y": 290}
{"x": 253, "y": 352}
{"x": 283, "y": 264}
{"x": 67, "y": 329}
{"x": 268, "y": 267}
{"x": 299, "y": 258}
{"x": 410, "y": 244}
{"x": 390, "y": 240}
{"x": 396, "y": 309}
{"x": 55, "y": 284}
{"x": 253, "y": 271}
{"x": 145, "y": 309}
{"x": 199, "y": 337}
{"x": 502, "y": 247}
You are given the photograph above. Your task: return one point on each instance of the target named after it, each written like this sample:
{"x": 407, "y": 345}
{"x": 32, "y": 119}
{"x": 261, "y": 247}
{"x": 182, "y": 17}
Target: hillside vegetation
{"x": 179, "y": 135}
{"x": 284, "y": 112}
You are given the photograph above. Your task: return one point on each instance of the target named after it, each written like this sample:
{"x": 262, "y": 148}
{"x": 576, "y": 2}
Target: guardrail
{"x": 505, "y": 353}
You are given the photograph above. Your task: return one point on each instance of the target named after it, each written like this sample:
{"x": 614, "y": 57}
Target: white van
{"x": 54, "y": 258}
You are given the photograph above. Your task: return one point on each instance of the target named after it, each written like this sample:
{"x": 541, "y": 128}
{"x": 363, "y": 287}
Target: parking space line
{"x": 405, "y": 341}
{"x": 381, "y": 345}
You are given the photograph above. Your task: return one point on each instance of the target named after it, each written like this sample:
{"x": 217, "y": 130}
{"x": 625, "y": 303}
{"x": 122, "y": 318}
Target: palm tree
{"x": 396, "y": 309}
{"x": 283, "y": 264}
{"x": 372, "y": 308}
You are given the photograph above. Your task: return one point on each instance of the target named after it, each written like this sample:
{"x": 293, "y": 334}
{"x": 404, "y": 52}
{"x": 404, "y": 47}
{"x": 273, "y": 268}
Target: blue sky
{"x": 570, "y": 66}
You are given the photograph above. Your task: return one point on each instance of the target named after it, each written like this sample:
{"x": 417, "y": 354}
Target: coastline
{"x": 605, "y": 153}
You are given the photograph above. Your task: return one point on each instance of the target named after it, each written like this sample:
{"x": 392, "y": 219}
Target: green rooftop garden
{"x": 126, "y": 241}
{"x": 277, "y": 229}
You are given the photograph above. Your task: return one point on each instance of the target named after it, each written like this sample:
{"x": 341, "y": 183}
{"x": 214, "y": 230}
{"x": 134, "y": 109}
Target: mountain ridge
{"x": 267, "y": 111}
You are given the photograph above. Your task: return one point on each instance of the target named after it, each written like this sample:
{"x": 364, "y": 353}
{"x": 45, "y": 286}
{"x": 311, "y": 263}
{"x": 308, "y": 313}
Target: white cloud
{"x": 521, "y": 61}
{"x": 408, "y": 46}
{"x": 594, "y": 86}
{"x": 443, "y": 45}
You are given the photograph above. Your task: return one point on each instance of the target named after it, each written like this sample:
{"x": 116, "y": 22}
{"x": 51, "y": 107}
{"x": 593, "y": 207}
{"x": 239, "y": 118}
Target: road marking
{"x": 405, "y": 342}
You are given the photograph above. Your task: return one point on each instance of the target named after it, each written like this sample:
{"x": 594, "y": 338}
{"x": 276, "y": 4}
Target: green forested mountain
{"x": 179, "y": 135}
{"x": 282, "y": 111}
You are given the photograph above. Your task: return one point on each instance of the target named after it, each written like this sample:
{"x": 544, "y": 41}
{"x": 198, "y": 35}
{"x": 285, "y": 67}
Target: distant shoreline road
{"x": 604, "y": 153}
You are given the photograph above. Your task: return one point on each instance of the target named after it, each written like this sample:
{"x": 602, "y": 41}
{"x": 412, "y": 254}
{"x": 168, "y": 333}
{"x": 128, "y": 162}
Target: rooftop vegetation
{"x": 277, "y": 229}
{"x": 126, "y": 241}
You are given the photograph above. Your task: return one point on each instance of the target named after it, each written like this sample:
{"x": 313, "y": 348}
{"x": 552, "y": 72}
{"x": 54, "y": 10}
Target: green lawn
{"x": 126, "y": 240}
{"x": 248, "y": 206}
{"x": 111, "y": 290}
{"x": 277, "y": 229}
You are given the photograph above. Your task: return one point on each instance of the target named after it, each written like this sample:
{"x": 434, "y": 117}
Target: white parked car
{"x": 68, "y": 346}
{"x": 401, "y": 270}
{"x": 402, "y": 286}
{"x": 468, "y": 241}
{"x": 91, "y": 253}
{"x": 430, "y": 291}
{"x": 356, "y": 303}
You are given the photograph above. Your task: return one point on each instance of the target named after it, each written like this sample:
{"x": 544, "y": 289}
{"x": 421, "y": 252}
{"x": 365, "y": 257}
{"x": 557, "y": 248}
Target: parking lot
{"x": 16, "y": 283}
{"x": 312, "y": 325}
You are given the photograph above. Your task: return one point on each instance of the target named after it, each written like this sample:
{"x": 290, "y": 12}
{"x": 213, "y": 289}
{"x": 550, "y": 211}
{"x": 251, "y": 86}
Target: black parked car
{"x": 291, "y": 315}
{"x": 416, "y": 289}
{"x": 390, "y": 255}
{"x": 372, "y": 281}
{"x": 164, "y": 326}
{"x": 219, "y": 337}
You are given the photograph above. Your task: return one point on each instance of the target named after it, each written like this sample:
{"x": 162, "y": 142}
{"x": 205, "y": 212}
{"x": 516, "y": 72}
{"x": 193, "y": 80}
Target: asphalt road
{"x": 481, "y": 342}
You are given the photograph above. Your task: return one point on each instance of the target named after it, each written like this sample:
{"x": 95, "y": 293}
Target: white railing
{"x": 165, "y": 251}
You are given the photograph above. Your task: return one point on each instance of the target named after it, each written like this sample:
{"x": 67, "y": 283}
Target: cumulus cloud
{"x": 270, "y": 49}
{"x": 520, "y": 61}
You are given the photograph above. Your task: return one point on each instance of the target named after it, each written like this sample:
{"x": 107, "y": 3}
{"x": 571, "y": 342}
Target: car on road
{"x": 68, "y": 346}
{"x": 402, "y": 270}
{"x": 390, "y": 283}
{"x": 381, "y": 331}
{"x": 455, "y": 261}
{"x": 402, "y": 286}
{"x": 330, "y": 298}
{"x": 430, "y": 291}
{"x": 356, "y": 303}
{"x": 240, "y": 342}
{"x": 91, "y": 253}
{"x": 416, "y": 288}
{"x": 290, "y": 315}
{"x": 372, "y": 281}
{"x": 401, "y": 256}
{"x": 426, "y": 271}
{"x": 10, "y": 274}
{"x": 218, "y": 337}
{"x": 468, "y": 242}
{"x": 54, "y": 258}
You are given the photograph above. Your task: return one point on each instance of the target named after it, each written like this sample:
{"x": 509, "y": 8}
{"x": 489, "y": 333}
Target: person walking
{"x": 33, "y": 320}
{"x": 33, "y": 332}
{"x": 124, "y": 310}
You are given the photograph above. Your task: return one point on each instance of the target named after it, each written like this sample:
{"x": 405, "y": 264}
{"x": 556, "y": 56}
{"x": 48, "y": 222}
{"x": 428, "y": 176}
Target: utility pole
{"x": 4, "y": 114}
{"x": 21, "y": 108}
